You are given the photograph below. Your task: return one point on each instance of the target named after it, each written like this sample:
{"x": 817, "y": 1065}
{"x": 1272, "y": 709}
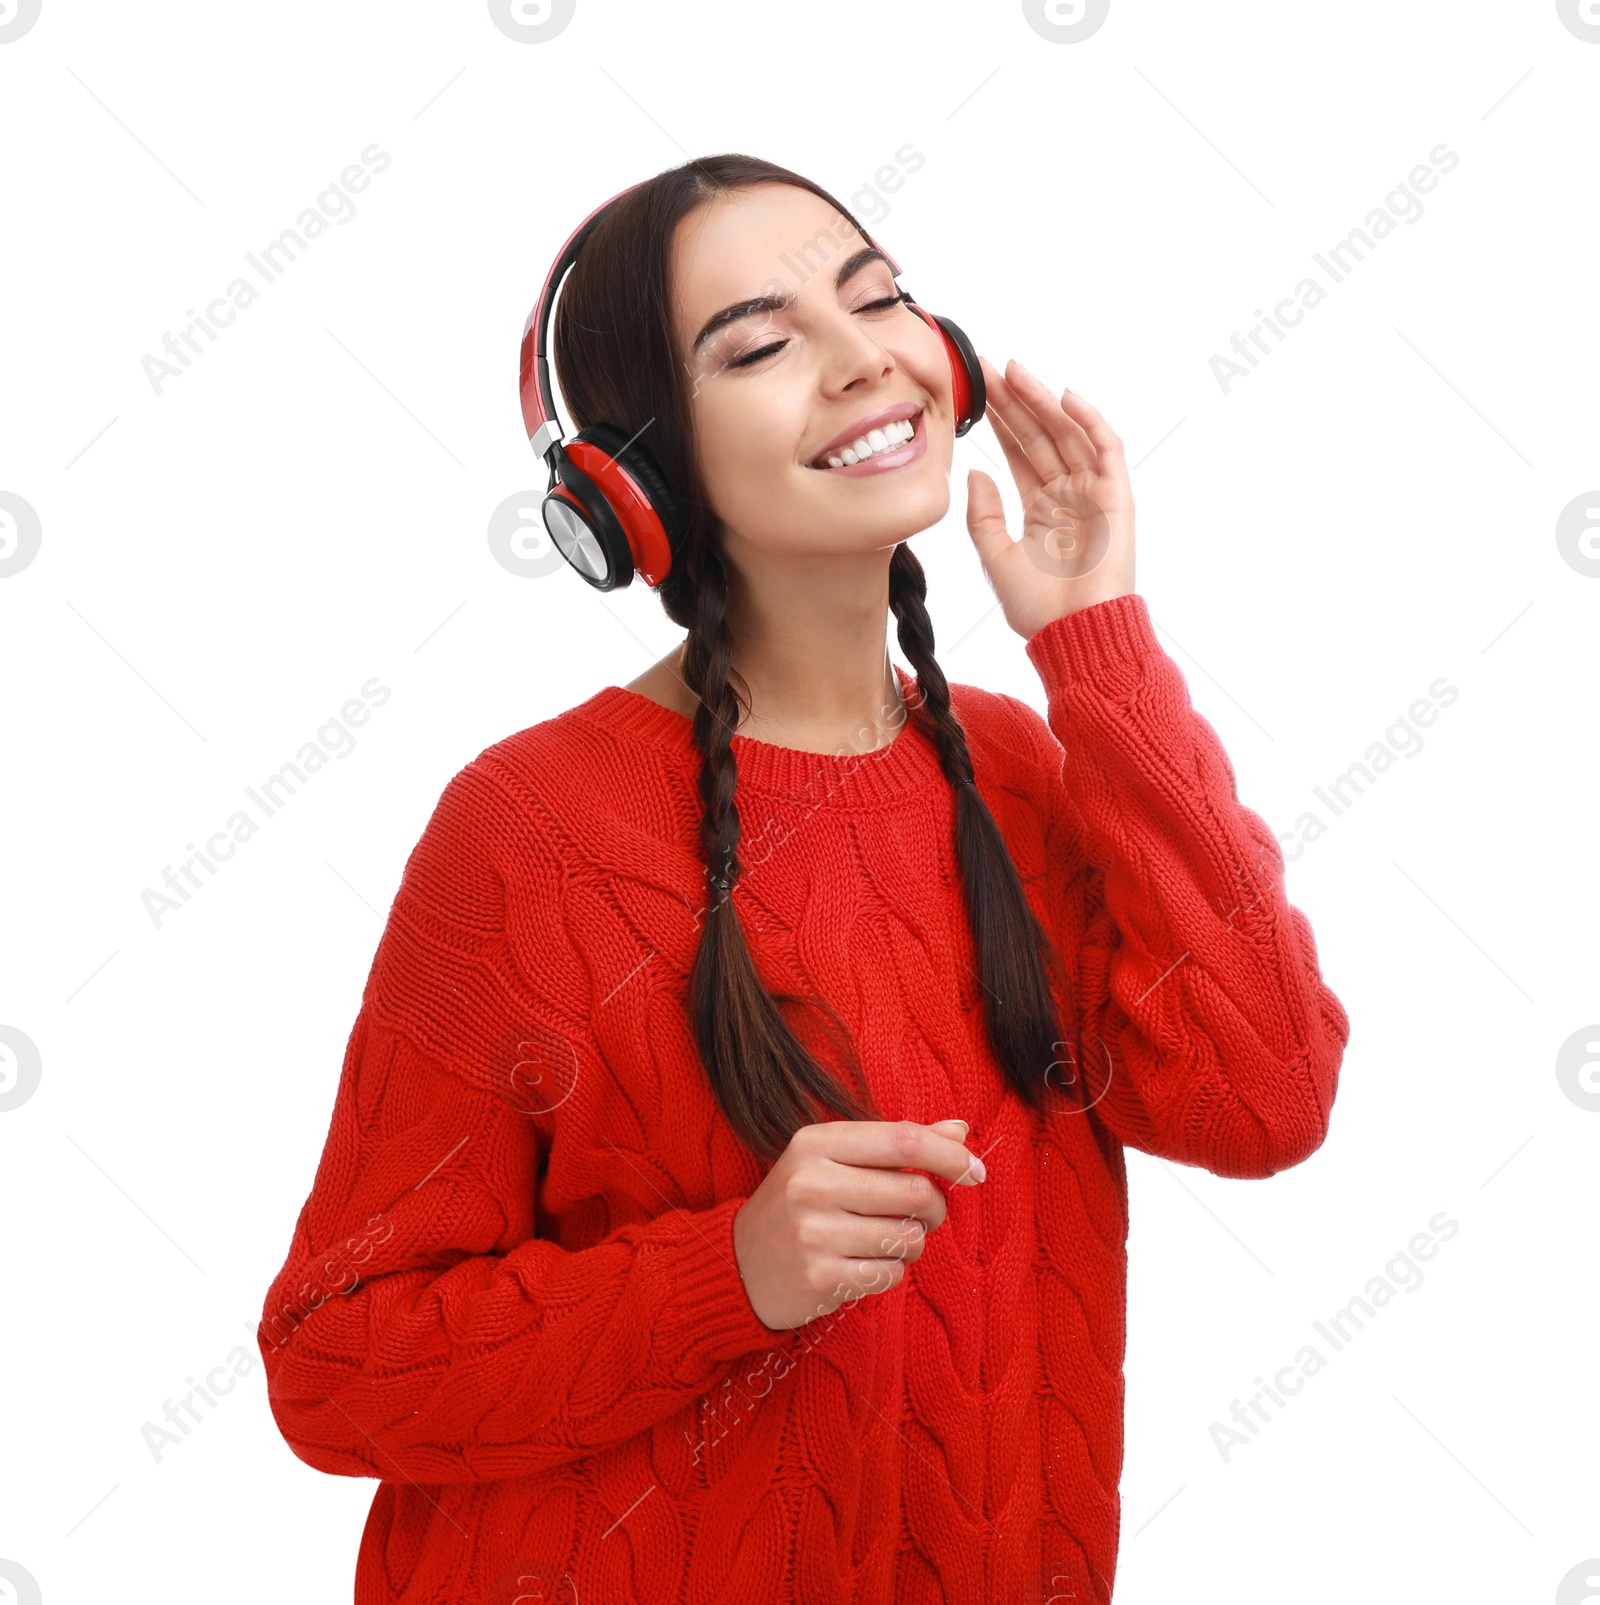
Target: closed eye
{"x": 767, "y": 351}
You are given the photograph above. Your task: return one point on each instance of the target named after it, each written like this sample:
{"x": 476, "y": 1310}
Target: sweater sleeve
{"x": 421, "y": 1329}
{"x": 1204, "y": 1031}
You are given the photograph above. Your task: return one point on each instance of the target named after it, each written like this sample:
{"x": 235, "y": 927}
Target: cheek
{"x": 923, "y": 358}
{"x": 744, "y": 449}
{"x": 736, "y": 474}
{"x": 935, "y": 377}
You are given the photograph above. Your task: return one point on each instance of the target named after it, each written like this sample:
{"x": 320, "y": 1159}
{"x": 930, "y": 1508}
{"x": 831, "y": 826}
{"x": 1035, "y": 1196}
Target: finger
{"x": 1031, "y": 443}
{"x": 895, "y": 1145}
{"x": 862, "y": 1277}
{"x": 897, "y": 1195}
{"x": 986, "y": 518}
{"x": 1025, "y": 473}
{"x": 1002, "y": 409}
{"x": 880, "y": 1237}
{"x": 1098, "y": 430}
{"x": 1040, "y": 418}
{"x": 854, "y": 1194}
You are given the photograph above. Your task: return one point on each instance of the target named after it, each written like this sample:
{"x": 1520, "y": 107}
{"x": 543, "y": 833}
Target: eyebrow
{"x": 777, "y": 303}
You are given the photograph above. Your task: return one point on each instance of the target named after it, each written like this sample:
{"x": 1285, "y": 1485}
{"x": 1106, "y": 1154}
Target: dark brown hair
{"x": 615, "y": 360}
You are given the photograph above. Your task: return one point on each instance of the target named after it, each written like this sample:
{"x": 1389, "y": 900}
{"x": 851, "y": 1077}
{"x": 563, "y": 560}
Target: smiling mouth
{"x": 875, "y": 443}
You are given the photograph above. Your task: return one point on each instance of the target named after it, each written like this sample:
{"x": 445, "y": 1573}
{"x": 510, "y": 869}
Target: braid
{"x": 908, "y": 590}
{"x": 766, "y": 1080}
{"x": 1017, "y": 961}
{"x": 707, "y": 662}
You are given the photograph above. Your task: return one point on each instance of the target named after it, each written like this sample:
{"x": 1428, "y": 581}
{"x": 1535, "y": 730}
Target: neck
{"x": 811, "y": 650}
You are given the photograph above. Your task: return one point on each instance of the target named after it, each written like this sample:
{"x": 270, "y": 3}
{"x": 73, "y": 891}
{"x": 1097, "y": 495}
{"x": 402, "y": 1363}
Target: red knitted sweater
{"x": 512, "y": 1293}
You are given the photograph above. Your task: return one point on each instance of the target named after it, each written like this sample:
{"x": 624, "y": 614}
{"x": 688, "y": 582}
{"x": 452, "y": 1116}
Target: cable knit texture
{"x": 512, "y": 1294}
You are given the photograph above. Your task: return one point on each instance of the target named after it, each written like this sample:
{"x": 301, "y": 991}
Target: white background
{"x": 223, "y": 564}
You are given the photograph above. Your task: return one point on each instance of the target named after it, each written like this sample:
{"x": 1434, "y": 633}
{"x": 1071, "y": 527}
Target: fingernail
{"x": 979, "y": 1173}
{"x": 965, "y": 1128}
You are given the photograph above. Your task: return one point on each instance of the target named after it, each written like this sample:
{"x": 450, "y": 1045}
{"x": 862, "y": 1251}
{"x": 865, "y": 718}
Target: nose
{"x": 855, "y": 358}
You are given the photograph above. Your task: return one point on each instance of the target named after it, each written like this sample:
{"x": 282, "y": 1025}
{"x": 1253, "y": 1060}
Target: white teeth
{"x": 872, "y": 443}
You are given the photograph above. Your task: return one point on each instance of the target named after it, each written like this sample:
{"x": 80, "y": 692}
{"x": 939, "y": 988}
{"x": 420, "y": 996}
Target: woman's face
{"x": 774, "y": 389}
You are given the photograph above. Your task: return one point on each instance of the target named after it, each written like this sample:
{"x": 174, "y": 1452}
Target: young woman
{"x": 724, "y": 1198}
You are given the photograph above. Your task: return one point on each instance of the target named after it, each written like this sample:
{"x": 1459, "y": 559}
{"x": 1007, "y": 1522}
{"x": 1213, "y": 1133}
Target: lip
{"x": 914, "y": 450}
{"x": 889, "y": 415}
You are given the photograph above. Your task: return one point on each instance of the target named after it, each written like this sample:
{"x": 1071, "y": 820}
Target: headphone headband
{"x": 538, "y": 400}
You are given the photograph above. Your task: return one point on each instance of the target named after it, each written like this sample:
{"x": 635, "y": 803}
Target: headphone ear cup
{"x": 637, "y": 495}
{"x": 971, "y": 394}
{"x": 637, "y": 459}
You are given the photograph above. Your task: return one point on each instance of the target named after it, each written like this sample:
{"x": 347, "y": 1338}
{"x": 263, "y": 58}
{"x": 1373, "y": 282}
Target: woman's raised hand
{"x": 1077, "y": 503}
{"x": 843, "y": 1211}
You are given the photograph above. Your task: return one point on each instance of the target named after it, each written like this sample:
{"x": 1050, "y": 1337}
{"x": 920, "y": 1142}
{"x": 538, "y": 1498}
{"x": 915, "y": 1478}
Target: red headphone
{"x": 608, "y": 506}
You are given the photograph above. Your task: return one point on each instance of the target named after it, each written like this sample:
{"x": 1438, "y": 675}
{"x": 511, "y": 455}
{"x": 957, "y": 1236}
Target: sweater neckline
{"x": 906, "y": 763}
